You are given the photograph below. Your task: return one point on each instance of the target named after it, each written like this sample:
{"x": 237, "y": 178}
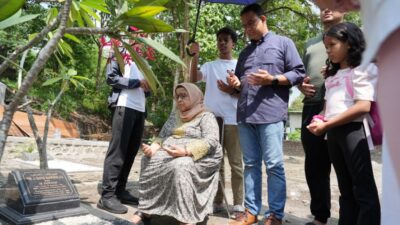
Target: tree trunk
{"x": 38, "y": 139}
{"x": 43, "y": 149}
{"x": 184, "y": 40}
{"x": 31, "y": 76}
{"x": 98, "y": 69}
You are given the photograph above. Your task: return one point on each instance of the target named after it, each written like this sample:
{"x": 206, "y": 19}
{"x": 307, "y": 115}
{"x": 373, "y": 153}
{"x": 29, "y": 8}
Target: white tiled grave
{"x": 64, "y": 165}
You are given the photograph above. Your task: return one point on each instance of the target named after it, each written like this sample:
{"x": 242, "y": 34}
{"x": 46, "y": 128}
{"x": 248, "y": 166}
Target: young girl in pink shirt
{"x": 342, "y": 121}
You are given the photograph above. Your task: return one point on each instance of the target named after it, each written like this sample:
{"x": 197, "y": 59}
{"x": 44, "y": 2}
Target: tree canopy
{"x": 167, "y": 25}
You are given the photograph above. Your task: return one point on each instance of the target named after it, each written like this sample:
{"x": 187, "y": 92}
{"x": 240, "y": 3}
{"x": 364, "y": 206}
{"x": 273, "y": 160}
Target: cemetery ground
{"x": 83, "y": 161}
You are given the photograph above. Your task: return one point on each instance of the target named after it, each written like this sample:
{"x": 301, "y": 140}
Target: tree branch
{"x": 38, "y": 139}
{"x": 37, "y": 66}
{"x": 85, "y": 30}
{"x": 290, "y": 9}
{"x": 4, "y": 65}
{"x": 42, "y": 150}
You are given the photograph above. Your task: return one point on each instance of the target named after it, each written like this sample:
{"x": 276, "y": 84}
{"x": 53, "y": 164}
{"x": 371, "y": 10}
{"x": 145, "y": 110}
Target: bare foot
{"x": 139, "y": 216}
{"x": 136, "y": 219}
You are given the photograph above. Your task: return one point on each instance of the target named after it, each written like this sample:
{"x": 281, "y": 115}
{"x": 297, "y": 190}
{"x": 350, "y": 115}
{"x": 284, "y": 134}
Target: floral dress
{"x": 183, "y": 187}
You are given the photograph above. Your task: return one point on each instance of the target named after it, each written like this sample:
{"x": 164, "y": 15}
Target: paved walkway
{"x": 88, "y": 183}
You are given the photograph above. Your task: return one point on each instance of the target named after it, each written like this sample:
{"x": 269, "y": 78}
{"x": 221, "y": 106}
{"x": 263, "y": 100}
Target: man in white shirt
{"x": 221, "y": 99}
{"x": 127, "y": 103}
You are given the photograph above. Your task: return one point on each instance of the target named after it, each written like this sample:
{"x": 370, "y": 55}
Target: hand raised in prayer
{"x": 175, "y": 151}
{"x": 150, "y": 150}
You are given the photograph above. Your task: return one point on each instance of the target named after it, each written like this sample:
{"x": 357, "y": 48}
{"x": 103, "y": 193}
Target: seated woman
{"x": 179, "y": 175}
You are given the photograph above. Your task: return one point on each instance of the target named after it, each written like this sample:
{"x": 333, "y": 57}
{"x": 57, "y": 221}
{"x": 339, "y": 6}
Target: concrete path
{"x": 88, "y": 183}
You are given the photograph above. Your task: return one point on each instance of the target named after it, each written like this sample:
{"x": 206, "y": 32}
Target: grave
{"x": 39, "y": 195}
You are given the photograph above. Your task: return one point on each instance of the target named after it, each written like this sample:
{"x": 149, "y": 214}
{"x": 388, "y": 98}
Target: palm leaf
{"x": 9, "y": 8}
{"x": 151, "y": 2}
{"x": 96, "y": 4}
{"x": 161, "y": 49}
{"x": 52, "y": 81}
{"x": 143, "y": 11}
{"x": 145, "y": 69}
{"x": 16, "y": 19}
{"x": 147, "y": 24}
{"x": 119, "y": 58}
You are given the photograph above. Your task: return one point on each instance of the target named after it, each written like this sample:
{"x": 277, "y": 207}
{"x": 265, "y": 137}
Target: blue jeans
{"x": 263, "y": 142}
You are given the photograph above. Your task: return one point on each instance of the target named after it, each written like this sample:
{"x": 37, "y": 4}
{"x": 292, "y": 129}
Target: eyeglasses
{"x": 181, "y": 96}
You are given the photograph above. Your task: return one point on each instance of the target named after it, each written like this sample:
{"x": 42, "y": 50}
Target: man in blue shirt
{"x": 265, "y": 71}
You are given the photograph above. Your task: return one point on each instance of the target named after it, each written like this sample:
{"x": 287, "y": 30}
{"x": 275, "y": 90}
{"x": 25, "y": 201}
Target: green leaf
{"x": 72, "y": 37}
{"x": 151, "y": 2}
{"x": 96, "y": 4}
{"x": 145, "y": 69}
{"x": 119, "y": 58}
{"x": 80, "y": 77}
{"x": 75, "y": 14}
{"x": 59, "y": 61}
{"x": 90, "y": 12}
{"x": 65, "y": 48}
{"x": 147, "y": 24}
{"x": 133, "y": 1}
{"x": 9, "y": 8}
{"x": 124, "y": 7}
{"x": 51, "y": 15}
{"x": 77, "y": 83}
{"x": 87, "y": 19}
{"x": 143, "y": 11}
{"x": 51, "y": 81}
{"x": 72, "y": 72}
{"x": 161, "y": 49}
{"x": 16, "y": 19}
{"x": 74, "y": 82}
{"x": 32, "y": 36}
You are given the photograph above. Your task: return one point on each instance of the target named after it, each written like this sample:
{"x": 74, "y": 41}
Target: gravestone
{"x": 39, "y": 195}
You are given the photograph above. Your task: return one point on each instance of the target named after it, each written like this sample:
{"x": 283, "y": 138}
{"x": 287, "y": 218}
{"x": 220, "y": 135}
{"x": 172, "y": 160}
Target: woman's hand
{"x": 150, "y": 150}
{"x": 176, "y": 151}
{"x": 318, "y": 128}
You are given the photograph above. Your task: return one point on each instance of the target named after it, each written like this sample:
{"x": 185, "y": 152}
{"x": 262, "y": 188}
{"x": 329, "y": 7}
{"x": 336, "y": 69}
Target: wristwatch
{"x": 275, "y": 81}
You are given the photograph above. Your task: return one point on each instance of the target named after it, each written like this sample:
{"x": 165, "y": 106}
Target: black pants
{"x": 317, "y": 166}
{"x": 127, "y": 132}
{"x": 349, "y": 152}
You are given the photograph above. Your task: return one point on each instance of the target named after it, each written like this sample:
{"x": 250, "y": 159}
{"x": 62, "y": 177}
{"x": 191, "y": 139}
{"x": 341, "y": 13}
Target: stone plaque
{"x": 43, "y": 193}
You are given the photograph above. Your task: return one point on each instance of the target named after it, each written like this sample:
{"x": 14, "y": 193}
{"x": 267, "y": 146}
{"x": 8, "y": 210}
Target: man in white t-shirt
{"x": 221, "y": 99}
{"x": 127, "y": 103}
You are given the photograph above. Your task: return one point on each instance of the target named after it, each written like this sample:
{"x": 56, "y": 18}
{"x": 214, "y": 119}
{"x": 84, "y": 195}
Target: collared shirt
{"x": 267, "y": 104}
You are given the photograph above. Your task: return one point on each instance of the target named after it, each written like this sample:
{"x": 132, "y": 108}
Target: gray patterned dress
{"x": 183, "y": 187}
